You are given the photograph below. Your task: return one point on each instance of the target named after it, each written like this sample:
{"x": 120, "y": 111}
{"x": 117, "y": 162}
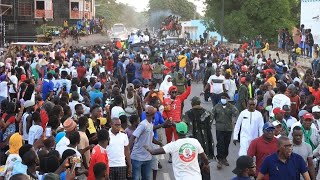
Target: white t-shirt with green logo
{"x": 185, "y": 158}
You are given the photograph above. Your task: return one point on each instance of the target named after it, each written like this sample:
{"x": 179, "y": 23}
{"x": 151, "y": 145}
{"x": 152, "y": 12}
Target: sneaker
{"x": 219, "y": 165}
{"x": 225, "y": 162}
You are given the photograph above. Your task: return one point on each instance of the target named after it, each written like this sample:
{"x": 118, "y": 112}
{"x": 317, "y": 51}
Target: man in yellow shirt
{"x": 182, "y": 62}
{"x": 265, "y": 50}
{"x": 272, "y": 80}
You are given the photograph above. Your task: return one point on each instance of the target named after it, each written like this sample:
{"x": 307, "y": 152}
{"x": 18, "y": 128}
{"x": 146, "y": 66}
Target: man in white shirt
{"x": 13, "y": 87}
{"x": 216, "y": 85}
{"x": 118, "y": 152}
{"x": 185, "y": 152}
{"x": 75, "y": 100}
{"x": 117, "y": 110}
{"x": 146, "y": 38}
{"x": 65, "y": 67}
{"x": 65, "y": 83}
{"x": 230, "y": 86}
{"x": 280, "y": 99}
{"x": 251, "y": 122}
{"x": 4, "y": 87}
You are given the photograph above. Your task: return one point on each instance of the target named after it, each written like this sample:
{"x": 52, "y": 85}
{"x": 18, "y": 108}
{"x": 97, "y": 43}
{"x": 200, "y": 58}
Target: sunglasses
{"x": 252, "y": 104}
{"x": 173, "y": 92}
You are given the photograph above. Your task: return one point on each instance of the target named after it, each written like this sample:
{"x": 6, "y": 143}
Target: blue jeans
{"x": 215, "y": 98}
{"x": 141, "y": 169}
{"x": 310, "y": 51}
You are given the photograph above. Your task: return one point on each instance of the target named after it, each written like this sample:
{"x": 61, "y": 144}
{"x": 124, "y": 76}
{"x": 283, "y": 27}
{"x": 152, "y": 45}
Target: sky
{"x": 141, "y": 5}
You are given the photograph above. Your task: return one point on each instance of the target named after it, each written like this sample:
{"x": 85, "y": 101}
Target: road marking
{"x": 166, "y": 176}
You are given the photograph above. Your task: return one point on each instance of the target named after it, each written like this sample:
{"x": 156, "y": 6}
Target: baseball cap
{"x": 243, "y": 80}
{"x": 243, "y": 162}
{"x": 302, "y": 112}
{"x": 182, "y": 128}
{"x": 97, "y": 85}
{"x": 276, "y": 123}
{"x": 29, "y": 103}
{"x": 315, "y": 109}
{"x": 308, "y": 116}
{"x": 244, "y": 68}
{"x": 277, "y": 110}
{"x": 268, "y": 125}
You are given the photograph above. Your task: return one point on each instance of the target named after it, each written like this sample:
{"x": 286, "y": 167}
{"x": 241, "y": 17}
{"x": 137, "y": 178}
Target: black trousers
{"x": 118, "y": 173}
{"x": 223, "y": 142}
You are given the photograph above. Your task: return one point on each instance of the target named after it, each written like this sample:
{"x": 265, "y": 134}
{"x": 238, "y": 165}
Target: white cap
{"x": 315, "y": 109}
{"x": 29, "y": 103}
{"x": 276, "y": 123}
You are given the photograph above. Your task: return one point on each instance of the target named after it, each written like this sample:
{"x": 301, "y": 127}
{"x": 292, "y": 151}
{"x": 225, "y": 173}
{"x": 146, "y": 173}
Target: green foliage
{"x": 249, "y": 18}
{"x": 183, "y": 8}
{"x": 114, "y": 12}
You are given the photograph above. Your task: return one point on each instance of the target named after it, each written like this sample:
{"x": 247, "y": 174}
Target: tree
{"x": 114, "y": 12}
{"x": 249, "y": 18}
{"x": 183, "y": 8}
{"x": 159, "y": 9}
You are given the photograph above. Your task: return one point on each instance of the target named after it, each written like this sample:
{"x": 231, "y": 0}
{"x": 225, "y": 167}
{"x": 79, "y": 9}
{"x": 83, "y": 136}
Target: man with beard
{"x": 223, "y": 113}
{"x": 251, "y": 122}
{"x": 264, "y": 145}
{"x": 199, "y": 122}
{"x": 172, "y": 109}
{"x": 284, "y": 164}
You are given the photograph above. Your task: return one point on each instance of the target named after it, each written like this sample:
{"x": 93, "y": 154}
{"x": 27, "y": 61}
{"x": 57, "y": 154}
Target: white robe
{"x": 165, "y": 85}
{"x": 251, "y": 124}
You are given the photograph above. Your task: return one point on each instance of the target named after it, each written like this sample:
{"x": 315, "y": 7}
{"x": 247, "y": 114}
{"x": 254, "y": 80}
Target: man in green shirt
{"x": 223, "y": 113}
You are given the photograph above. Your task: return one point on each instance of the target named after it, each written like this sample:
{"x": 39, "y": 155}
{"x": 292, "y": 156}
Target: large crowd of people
{"x": 103, "y": 112}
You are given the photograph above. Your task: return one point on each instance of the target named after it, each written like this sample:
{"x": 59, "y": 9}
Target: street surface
{"x": 166, "y": 173}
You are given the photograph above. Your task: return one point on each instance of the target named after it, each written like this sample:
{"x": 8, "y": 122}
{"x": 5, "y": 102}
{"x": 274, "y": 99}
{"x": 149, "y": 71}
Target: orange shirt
{"x": 316, "y": 94}
{"x": 146, "y": 71}
{"x": 272, "y": 80}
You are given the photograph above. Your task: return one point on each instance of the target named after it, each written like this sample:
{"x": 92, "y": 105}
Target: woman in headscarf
{"x": 15, "y": 143}
{"x": 165, "y": 85}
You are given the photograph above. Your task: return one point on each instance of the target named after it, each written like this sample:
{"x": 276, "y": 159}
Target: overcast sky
{"x": 141, "y": 5}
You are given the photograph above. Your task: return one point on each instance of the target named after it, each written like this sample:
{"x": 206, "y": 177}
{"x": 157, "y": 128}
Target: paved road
{"x": 166, "y": 173}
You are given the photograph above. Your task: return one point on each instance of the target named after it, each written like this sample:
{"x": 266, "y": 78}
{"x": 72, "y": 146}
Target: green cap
{"x": 196, "y": 100}
{"x": 182, "y": 128}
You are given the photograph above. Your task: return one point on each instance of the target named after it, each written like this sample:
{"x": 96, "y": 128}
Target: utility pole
{"x": 222, "y": 21}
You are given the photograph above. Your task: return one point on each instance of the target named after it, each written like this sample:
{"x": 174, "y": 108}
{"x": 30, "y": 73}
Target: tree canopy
{"x": 114, "y": 12}
{"x": 183, "y": 8}
{"x": 249, "y": 18}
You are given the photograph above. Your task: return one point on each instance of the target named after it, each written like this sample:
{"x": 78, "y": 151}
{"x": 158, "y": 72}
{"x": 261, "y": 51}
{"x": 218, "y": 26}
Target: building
{"x": 25, "y": 16}
{"x": 196, "y": 28}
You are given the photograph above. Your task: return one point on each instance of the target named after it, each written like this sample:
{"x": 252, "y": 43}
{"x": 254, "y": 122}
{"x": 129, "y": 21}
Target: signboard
{"x": 310, "y": 17}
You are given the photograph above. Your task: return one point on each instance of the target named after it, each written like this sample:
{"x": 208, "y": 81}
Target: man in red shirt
{"x": 109, "y": 64}
{"x": 172, "y": 108}
{"x": 295, "y": 100}
{"x": 263, "y": 146}
{"x": 81, "y": 70}
{"x": 99, "y": 153}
